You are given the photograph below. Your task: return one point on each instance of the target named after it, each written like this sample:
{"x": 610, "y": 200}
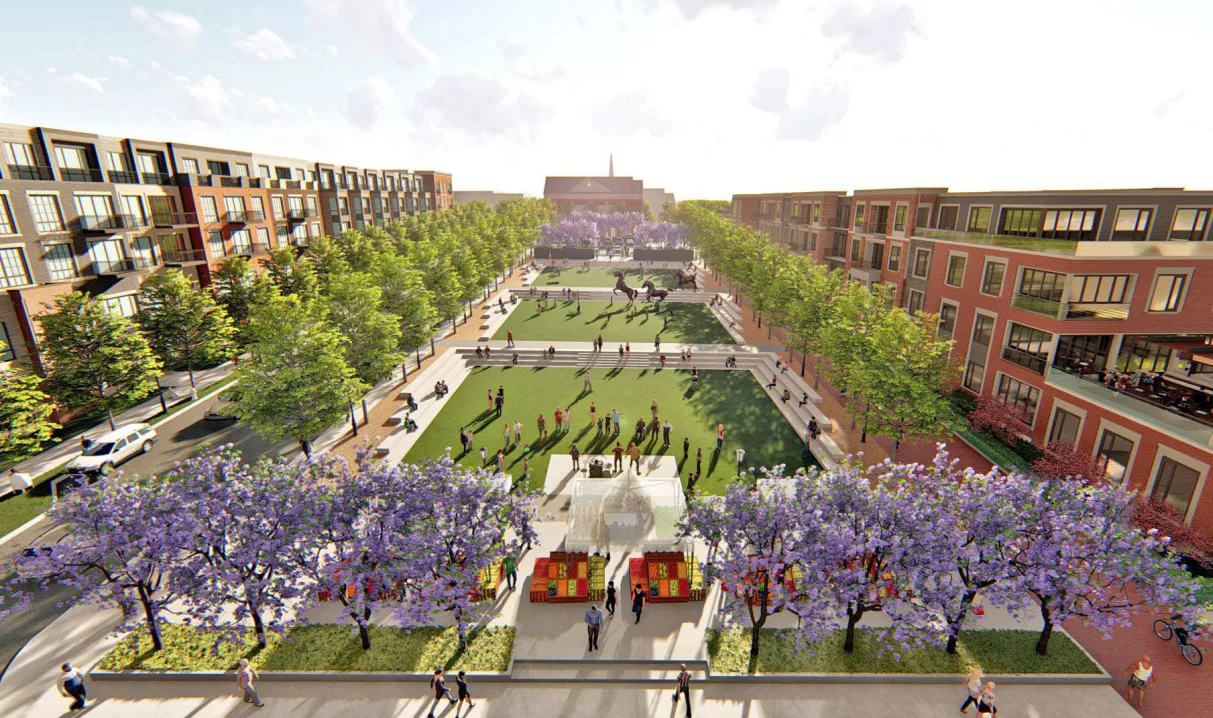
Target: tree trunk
{"x": 802, "y": 363}
{"x": 307, "y": 448}
{"x": 954, "y": 634}
{"x": 1042, "y": 643}
{"x": 366, "y": 414}
{"x": 190, "y": 369}
{"x": 852, "y": 620}
{"x": 149, "y": 615}
{"x": 109, "y": 414}
{"x": 353, "y": 419}
{"x": 258, "y": 626}
{"x": 363, "y": 630}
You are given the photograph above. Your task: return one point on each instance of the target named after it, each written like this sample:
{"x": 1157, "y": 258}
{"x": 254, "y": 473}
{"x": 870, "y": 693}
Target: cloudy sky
{"x": 703, "y": 97}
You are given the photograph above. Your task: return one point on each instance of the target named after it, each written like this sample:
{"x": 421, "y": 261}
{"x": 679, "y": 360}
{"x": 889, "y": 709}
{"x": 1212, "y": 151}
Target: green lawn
{"x": 689, "y": 324}
{"x": 321, "y": 647}
{"x": 603, "y": 277}
{"x": 733, "y": 398}
{"x": 997, "y": 652}
{"x": 17, "y": 509}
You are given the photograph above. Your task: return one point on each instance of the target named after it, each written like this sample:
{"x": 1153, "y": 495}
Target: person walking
{"x": 576, "y": 454}
{"x": 683, "y": 687}
{"x": 568, "y": 419}
{"x": 509, "y": 566}
{"x": 618, "y": 466}
{"x": 653, "y": 408}
{"x": 541, "y": 425}
{"x": 593, "y": 413}
{"x": 666, "y": 428}
{"x": 246, "y": 677}
{"x": 464, "y": 693}
{"x": 501, "y": 462}
{"x": 657, "y": 343}
{"x": 463, "y": 438}
{"x": 509, "y": 338}
{"x": 610, "y": 598}
{"x": 634, "y": 455}
{"x": 71, "y": 684}
{"x": 627, "y": 351}
{"x": 491, "y": 402}
{"x": 621, "y": 352}
{"x": 985, "y": 702}
{"x": 517, "y": 431}
{"x": 593, "y": 624}
{"x": 972, "y": 684}
{"x": 719, "y": 436}
{"x": 814, "y": 428}
{"x": 471, "y": 443}
{"x": 558, "y": 417}
{"x": 438, "y": 683}
{"x": 615, "y": 419}
{"x": 589, "y": 385}
{"x": 1140, "y": 675}
{"x": 699, "y": 460}
{"x": 505, "y": 435}
{"x": 599, "y": 342}
{"x": 638, "y": 598}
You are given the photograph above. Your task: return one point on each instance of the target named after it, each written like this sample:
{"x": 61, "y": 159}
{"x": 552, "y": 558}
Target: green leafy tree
{"x": 25, "y": 414}
{"x": 292, "y": 273}
{"x": 669, "y": 211}
{"x": 185, "y": 326}
{"x": 372, "y": 335}
{"x": 406, "y": 297}
{"x": 647, "y": 210}
{"x": 297, "y": 382}
{"x": 237, "y": 288}
{"x": 327, "y": 258}
{"x": 95, "y": 358}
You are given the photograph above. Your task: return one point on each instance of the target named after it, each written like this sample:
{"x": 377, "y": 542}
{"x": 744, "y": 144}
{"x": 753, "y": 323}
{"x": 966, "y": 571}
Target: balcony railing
{"x": 110, "y": 223}
{"x": 1039, "y": 305}
{"x": 298, "y": 215}
{"x": 156, "y": 178}
{"x": 31, "y": 172}
{"x": 123, "y": 266}
{"x": 124, "y": 177}
{"x": 81, "y": 174}
{"x": 174, "y": 219}
{"x": 1027, "y": 360}
{"x": 251, "y": 249}
{"x": 1097, "y": 310}
{"x": 182, "y": 256}
{"x": 234, "y": 216}
{"x": 254, "y": 215}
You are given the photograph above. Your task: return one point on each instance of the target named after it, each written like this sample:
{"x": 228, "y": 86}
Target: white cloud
{"x": 478, "y": 105}
{"x": 206, "y": 99}
{"x": 822, "y": 108}
{"x": 692, "y": 8}
{"x": 1164, "y": 107}
{"x": 265, "y": 44}
{"x": 120, "y": 61}
{"x": 510, "y": 48}
{"x": 628, "y": 114}
{"x": 92, "y": 83}
{"x": 384, "y": 23}
{"x": 364, "y": 104}
{"x": 331, "y": 49}
{"x": 880, "y": 33}
{"x": 771, "y": 90}
{"x": 541, "y": 75}
{"x": 5, "y": 88}
{"x": 171, "y": 26}
{"x": 270, "y": 108}
{"x": 52, "y": 70}
{"x": 237, "y": 93}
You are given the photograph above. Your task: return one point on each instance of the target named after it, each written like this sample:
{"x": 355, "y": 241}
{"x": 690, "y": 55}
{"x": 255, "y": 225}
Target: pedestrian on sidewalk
{"x": 610, "y": 598}
{"x": 972, "y": 684}
{"x": 661, "y": 360}
{"x": 19, "y": 481}
{"x": 509, "y": 567}
{"x": 464, "y": 693}
{"x": 719, "y": 436}
{"x": 615, "y": 419}
{"x": 517, "y": 431}
{"x": 814, "y": 428}
{"x": 1140, "y": 675}
{"x": 593, "y": 624}
{"x": 627, "y": 349}
{"x": 599, "y": 342}
{"x": 568, "y": 419}
{"x": 694, "y": 378}
{"x": 634, "y": 455}
{"x": 558, "y": 417}
{"x": 438, "y": 683}
{"x": 666, "y": 428}
{"x": 509, "y": 338}
{"x": 491, "y": 402}
{"x": 71, "y": 683}
{"x": 505, "y": 435}
{"x": 683, "y": 687}
{"x": 699, "y": 460}
{"x": 638, "y": 601}
{"x": 576, "y": 454}
{"x": 985, "y": 703}
{"x": 500, "y": 462}
{"x": 653, "y": 408}
{"x": 246, "y": 677}
{"x": 498, "y": 403}
{"x": 618, "y": 466}
{"x": 657, "y": 343}
{"x": 621, "y": 352}
{"x": 593, "y": 413}
{"x": 484, "y": 456}
{"x": 471, "y": 446}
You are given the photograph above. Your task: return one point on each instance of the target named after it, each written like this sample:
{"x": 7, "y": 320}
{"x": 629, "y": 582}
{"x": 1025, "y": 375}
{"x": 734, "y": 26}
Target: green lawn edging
{"x": 317, "y": 648}
{"x": 998, "y": 652}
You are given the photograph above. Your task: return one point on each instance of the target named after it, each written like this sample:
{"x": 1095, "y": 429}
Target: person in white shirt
{"x": 19, "y": 481}
{"x": 71, "y": 683}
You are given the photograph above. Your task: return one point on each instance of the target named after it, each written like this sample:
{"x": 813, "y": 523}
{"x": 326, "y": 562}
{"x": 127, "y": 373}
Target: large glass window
{"x": 974, "y": 374}
{"x": 1132, "y": 225}
{"x": 97, "y": 208}
{"x": 73, "y": 163}
{"x": 956, "y": 271}
{"x": 190, "y": 165}
{"x": 1176, "y": 483}
{"x": 242, "y": 242}
{"x": 899, "y": 218}
{"x": 922, "y": 219}
{"x": 311, "y": 205}
{"x": 922, "y": 263}
{"x": 947, "y": 320}
{"x": 1076, "y": 224}
{"x": 1028, "y": 347}
{"x": 1099, "y": 289}
{"x": 263, "y": 236}
{"x": 894, "y": 255}
{"x": 132, "y": 206}
{"x": 13, "y": 270}
{"x": 1138, "y": 353}
{"x": 1087, "y": 353}
{"x": 859, "y": 216}
{"x": 1168, "y": 292}
{"x": 1022, "y": 398}
{"x": 979, "y": 219}
{"x": 817, "y": 213}
{"x": 210, "y": 210}
{"x": 118, "y": 161}
{"x": 107, "y": 256}
{"x": 1189, "y": 225}
{"x": 216, "y": 167}
{"x": 7, "y": 226}
{"x": 983, "y": 329}
{"x": 164, "y": 209}
{"x": 947, "y": 217}
{"x": 241, "y": 169}
{"x": 1042, "y": 285}
{"x": 856, "y": 249}
{"x": 991, "y": 279}
{"x": 1065, "y": 427}
{"x": 61, "y": 262}
{"x": 258, "y": 206}
{"x": 125, "y": 306}
{"x": 21, "y": 155}
{"x": 276, "y": 204}
{"x": 914, "y": 304}
{"x": 234, "y": 205}
{"x": 1024, "y": 222}
{"x": 47, "y": 215}
{"x": 214, "y": 241}
{"x": 1116, "y": 451}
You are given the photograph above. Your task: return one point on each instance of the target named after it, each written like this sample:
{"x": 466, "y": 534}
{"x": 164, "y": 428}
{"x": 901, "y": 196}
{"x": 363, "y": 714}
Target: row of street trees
{"x": 892, "y": 367}
{"x": 922, "y": 543}
{"x": 230, "y": 546}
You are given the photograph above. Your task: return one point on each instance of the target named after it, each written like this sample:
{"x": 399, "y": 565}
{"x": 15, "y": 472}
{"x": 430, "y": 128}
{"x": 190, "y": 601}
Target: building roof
{"x": 592, "y": 186}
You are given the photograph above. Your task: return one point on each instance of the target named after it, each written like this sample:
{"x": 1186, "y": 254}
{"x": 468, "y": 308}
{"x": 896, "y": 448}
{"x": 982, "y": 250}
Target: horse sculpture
{"x": 654, "y": 292}
{"x": 622, "y": 286}
{"x": 686, "y": 278}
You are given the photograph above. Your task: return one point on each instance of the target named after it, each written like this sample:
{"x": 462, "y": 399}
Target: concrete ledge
{"x": 1043, "y": 679}
{"x": 283, "y": 676}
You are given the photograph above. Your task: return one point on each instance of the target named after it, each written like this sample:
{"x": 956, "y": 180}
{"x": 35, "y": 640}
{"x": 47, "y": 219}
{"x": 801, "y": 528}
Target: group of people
{"x": 441, "y": 389}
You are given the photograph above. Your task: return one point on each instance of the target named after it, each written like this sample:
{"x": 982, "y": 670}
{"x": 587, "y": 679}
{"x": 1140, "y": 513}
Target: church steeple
{"x": 612, "y": 170}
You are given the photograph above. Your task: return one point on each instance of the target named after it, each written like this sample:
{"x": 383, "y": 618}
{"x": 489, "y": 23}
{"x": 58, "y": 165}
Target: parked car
{"x": 222, "y": 409}
{"x": 109, "y": 450}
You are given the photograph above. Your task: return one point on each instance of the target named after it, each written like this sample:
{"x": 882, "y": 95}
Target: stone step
{"x": 606, "y": 670}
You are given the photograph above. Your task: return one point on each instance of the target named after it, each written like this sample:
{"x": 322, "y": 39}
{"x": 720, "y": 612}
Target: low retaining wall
{"x": 663, "y": 255}
{"x": 284, "y": 676}
{"x": 565, "y": 253}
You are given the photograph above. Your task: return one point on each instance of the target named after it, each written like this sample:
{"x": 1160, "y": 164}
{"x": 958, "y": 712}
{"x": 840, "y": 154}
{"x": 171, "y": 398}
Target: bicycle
{"x": 1165, "y": 629}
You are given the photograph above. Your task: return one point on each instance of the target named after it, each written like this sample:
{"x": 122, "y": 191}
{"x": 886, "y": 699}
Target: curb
{"x": 949, "y": 679}
{"x": 284, "y": 677}
{"x": 22, "y": 528}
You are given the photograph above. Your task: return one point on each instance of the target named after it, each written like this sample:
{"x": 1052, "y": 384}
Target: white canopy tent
{"x": 626, "y": 512}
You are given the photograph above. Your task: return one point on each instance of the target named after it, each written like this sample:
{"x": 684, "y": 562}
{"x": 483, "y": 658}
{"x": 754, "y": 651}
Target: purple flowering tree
{"x": 116, "y": 551}
{"x": 1080, "y": 557}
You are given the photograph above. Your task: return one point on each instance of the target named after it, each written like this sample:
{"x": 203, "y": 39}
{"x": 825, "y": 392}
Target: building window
{"x": 1028, "y": 347}
{"x": 61, "y": 262}
{"x": 107, "y": 256}
{"x": 1042, "y": 285}
{"x": 311, "y": 204}
{"x": 1099, "y": 289}
{"x": 812, "y": 241}
{"x": 948, "y": 216}
{"x": 974, "y": 373}
{"x": 899, "y": 218}
{"x": 283, "y": 173}
{"x": 1116, "y": 451}
{"x": 234, "y": 206}
{"x": 98, "y": 208}
{"x": 894, "y": 258}
{"x": 1168, "y": 292}
{"x": 817, "y": 213}
{"x": 6, "y": 216}
{"x": 1065, "y": 427}
{"x": 956, "y": 271}
{"x": 315, "y": 229}
{"x": 979, "y": 219}
{"x": 118, "y": 161}
{"x": 282, "y": 236}
{"x": 214, "y": 240}
{"x": 947, "y": 320}
{"x": 132, "y": 207}
{"x": 241, "y": 169}
{"x": 1138, "y": 353}
{"x": 242, "y": 242}
{"x": 47, "y": 215}
{"x": 210, "y": 210}
{"x": 13, "y": 270}
{"x": 263, "y": 237}
{"x": 1076, "y": 224}
{"x": 1132, "y": 225}
{"x": 264, "y": 171}
{"x": 74, "y": 164}
{"x": 1189, "y": 225}
{"x": 991, "y": 278}
{"x": 276, "y": 203}
{"x": 124, "y": 306}
{"x": 859, "y": 217}
{"x": 164, "y": 209}
{"x": 22, "y": 162}
{"x": 914, "y": 305}
{"x": 856, "y": 250}
{"x": 190, "y": 165}
{"x": 983, "y": 329}
{"x": 258, "y": 206}
{"x": 922, "y": 219}
{"x": 7, "y": 352}
{"x": 216, "y": 167}
{"x": 1021, "y": 397}
{"x": 1176, "y": 484}
{"x": 922, "y": 263}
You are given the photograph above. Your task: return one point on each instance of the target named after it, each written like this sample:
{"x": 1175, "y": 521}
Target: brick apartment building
{"x": 80, "y": 211}
{"x": 1041, "y": 293}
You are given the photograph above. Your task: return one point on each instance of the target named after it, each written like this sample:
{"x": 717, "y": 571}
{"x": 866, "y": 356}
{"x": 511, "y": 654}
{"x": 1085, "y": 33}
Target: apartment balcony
{"x": 1069, "y": 248}
{"x": 255, "y": 215}
{"x": 1032, "y": 362}
{"x": 123, "y": 177}
{"x": 109, "y": 224}
{"x": 1037, "y": 305}
{"x": 254, "y": 249}
{"x": 175, "y": 219}
{"x": 130, "y": 265}
{"x": 181, "y": 257}
{"x": 1071, "y": 310}
{"x": 236, "y": 217}
{"x": 294, "y": 184}
{"x": 160, "y": 178}
{"x": 299, "y": 215}
{"x": 1162, "y": 413}
{"x": 38, "y": 173}
{"x": 81, "y": 174}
